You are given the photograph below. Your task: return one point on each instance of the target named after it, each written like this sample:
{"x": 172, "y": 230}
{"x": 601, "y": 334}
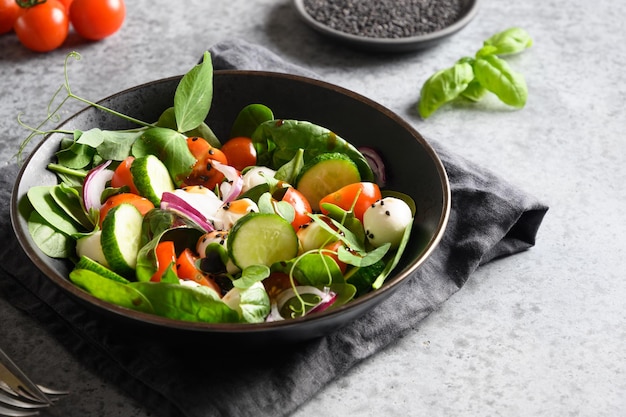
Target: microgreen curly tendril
{"x": 295, "y": 312}
{"x": 52, "y": 112}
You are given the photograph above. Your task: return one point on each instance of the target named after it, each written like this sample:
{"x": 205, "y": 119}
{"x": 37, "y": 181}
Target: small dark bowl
{"x": 469, "y": 8}
{"x": 413, "y": 168}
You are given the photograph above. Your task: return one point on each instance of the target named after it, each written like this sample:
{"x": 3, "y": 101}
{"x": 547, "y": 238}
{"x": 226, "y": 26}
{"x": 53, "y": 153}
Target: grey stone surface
{"x": 540, "y": 333}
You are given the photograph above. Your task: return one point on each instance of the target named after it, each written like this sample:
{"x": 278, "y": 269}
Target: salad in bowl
{"x": 254, "y": 219}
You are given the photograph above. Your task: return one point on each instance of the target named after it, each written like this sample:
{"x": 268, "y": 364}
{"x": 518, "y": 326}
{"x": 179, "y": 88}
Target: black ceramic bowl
{"x": 468, "y": 10}
{"x": 413, "y": 168}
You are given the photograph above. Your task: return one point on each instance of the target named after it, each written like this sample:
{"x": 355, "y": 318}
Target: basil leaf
{"x": 510, "y": 41}
{"x": 444, "y": 86}
{"x": 193, "y": 96}
{"x": 496, "y": 75}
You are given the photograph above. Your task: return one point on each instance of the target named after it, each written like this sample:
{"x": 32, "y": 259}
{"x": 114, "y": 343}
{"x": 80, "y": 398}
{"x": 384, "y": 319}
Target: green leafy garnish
{"x": 471, "y": 78}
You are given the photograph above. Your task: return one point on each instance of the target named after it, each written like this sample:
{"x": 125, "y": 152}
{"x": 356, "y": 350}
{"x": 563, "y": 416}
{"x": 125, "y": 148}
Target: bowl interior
{"x": 413, "y": 168}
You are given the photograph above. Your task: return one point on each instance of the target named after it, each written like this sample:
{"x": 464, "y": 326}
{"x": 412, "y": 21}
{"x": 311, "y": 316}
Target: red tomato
{"x": 97, "y": 19}
{"x": 300, "y": 205}
{"x": 276, "y": 283}
{"x": 43, "y": 27}
{"x": 203, "y": 172}
{"x": 331, "y": 249}
{"x": 9, "y": 11}
{"x": 123, "y": 177}
{"x": 67, "y": 4}
{"x": 165, "y": 259}
{"x": 143, "y": 204}
{"x": 187, "y": 270}
{"x": 358, "y": 197}
{"x": 240, "y": 152}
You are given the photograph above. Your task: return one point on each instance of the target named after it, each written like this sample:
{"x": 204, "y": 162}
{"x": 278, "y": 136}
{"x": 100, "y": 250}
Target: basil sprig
{"x": 472, "y": 77}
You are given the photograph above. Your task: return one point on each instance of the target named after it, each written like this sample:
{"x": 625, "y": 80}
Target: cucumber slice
{"x": 261, "y": 239}
{"x": 120, "y": 239}
{"x": 151, "y": 178}
{"x": 89, "y": 264}
{"x": 324, "y": 174}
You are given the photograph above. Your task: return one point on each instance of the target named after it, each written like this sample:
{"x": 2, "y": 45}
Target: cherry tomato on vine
{"x": 346, "y": 197}
{"x": 67, "y": 4}
{"x": 240, "y": 152}
{"x": 42, "y": 27}
{"x": 203, "y": 172}
{"x": 9, "y": 11}
{"x": 97, "y": 19}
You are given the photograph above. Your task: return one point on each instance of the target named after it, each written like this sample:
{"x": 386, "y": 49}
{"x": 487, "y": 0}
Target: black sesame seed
{"x": 387, "y": 213}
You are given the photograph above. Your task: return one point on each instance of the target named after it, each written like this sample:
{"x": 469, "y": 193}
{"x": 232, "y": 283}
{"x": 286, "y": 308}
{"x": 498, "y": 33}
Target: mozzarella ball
{"x": 256, "y": 176}
{"x": 385, "y": 221}
{"x": 221, "y": 238}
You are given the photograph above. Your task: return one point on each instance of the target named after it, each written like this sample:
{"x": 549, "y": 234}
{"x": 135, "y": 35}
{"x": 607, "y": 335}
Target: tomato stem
{"x": 25, "y": 4}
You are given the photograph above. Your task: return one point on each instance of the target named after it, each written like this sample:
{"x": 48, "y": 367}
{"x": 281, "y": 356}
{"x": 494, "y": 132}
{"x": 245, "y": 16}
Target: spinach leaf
{"x": 193, "y": 96}
{"x": 249, "y": 118}
{"x": 69, "y": 200}
{"x": 170, "y": 147}
{"x": 179, "y": 302}
{"x": 278, "y": 141}
{"x": 110, "y": 291}
{"x": 313, "y": 268}
{"x": 496, "y": 75}
{"x": 42, "y": 201}
{"x": 48, "y": 239}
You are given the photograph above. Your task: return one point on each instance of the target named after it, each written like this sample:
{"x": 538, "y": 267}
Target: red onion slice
{"x": 231, "y": 189}
{"x": 94, "y": 184}
{"x": 171, "y": 201}
{"x": 375, "y": 161}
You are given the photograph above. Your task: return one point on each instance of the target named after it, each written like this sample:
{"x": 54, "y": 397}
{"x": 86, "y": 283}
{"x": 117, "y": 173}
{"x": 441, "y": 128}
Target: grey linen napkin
{"x": 490, "y": 218}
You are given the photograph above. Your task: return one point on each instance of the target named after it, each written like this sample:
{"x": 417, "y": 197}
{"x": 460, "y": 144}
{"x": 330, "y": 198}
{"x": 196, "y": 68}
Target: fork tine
{"x": 14, "y": 412}
{"x": 51, "y": 391}
{"x": 19, "y": 402}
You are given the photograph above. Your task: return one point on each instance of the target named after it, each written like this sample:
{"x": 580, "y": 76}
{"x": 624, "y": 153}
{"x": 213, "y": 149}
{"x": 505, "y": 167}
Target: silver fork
{"x": 19, "y": 396}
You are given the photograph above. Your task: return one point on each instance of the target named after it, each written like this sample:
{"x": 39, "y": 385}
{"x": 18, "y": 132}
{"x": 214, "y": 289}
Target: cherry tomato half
{"x": 143, "y": 204}
{"x": 240, "y": 152}
{"x": 43, "y": 27}
{"x": 187, "y": 270}
{"x": 123, "y": 177}
{"x": 300, "y": 205}
{"x": 203, "y": 172}
{"x": 9, "y": 11}
{"x": 331, "y": 249}
{"x": 358, "y": 196}
{"x": 97, "y": 19}
{"x": 165, "y": 259}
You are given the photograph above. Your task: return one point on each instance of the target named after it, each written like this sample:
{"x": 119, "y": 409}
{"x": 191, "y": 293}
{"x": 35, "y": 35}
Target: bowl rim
{"x": 390, "y": 44}
{"x": 33, "y": 252}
